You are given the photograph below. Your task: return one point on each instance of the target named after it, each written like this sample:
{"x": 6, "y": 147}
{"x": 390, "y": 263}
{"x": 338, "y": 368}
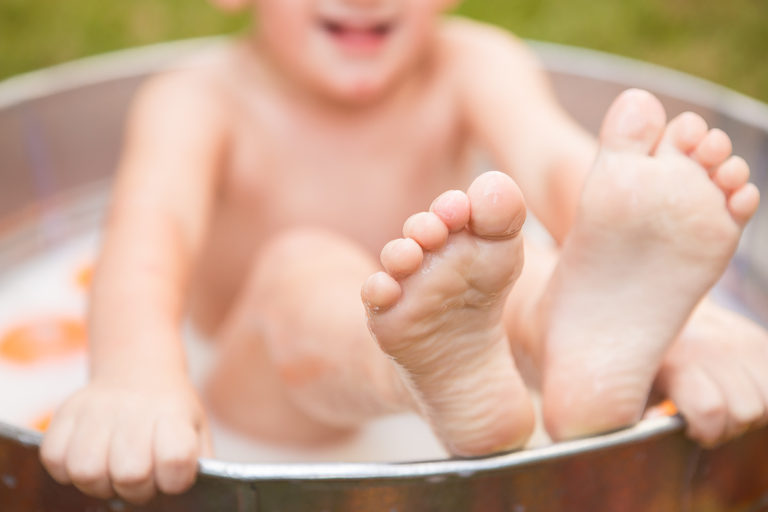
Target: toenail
{"x": 630, "y": 121}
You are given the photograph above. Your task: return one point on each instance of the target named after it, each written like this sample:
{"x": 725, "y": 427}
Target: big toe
{"x": 497, "y": 208}
{"x": 633, "y": 123}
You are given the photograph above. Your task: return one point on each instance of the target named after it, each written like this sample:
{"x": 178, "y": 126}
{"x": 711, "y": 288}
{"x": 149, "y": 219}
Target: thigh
{"x": 297, "y": 337}
{"x": 302, "y": 296}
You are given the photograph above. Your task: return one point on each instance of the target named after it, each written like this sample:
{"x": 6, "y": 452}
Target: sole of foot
{"x": 437, "y": 307}
{"x": 660, "y": 216}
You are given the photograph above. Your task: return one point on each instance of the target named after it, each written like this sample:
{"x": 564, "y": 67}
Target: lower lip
{"x": 358, "y": 42}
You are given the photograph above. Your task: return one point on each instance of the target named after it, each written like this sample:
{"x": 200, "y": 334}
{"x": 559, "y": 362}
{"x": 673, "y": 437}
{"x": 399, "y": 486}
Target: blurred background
{"x": 726, "y": 42}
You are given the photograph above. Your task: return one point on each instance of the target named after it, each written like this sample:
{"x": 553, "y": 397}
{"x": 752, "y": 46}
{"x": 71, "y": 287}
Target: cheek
{"x": 284, "y": 23}
{"x": 286, "y": 34}
{"x": 421, "y": 26}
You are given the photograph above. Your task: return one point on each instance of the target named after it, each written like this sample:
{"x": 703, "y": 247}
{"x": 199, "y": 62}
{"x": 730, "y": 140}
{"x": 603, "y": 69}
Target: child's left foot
{"x": 660, "y": 217}
{"x": 437, "y": 313}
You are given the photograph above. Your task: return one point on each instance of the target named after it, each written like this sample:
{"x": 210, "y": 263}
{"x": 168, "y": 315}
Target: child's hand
{"x": 130, "y": 438}
{"x": 716, "y": 372}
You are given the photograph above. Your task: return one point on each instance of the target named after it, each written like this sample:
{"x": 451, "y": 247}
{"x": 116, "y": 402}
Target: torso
{"x": 360, "y": 174}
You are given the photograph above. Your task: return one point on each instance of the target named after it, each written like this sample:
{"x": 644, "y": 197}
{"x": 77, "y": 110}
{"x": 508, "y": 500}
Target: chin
{"x": 360, "y": 94}
{"x": 361, "y": 90}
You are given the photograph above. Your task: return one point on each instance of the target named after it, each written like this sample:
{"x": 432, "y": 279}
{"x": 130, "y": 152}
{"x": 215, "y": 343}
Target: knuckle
{"x": 86, "y": 473}
{"x": 748, "y": 415}
{"x": 138, "y": 494}
{"x": 708, "y": 438}
{"x": 710, "y": 410}
{"x": 52, "y": 458}
{"x": 131, "y": 475}
{"x": 181, "y": 457}
{"x": 177, "y": 484}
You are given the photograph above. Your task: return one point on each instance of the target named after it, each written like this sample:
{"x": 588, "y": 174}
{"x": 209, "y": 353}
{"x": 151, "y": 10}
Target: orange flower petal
{"x": 41, "y": 424}
{"x": 667, "y": 407}
{"x": 44, "y": 338}
{"x": 84, "y": 276}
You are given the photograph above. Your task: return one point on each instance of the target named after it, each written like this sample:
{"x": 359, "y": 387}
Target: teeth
{"x": 381, "y": 29}
{"x": 335, "y": 27}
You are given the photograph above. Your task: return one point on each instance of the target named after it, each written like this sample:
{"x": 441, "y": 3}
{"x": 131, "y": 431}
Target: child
{"x": 258, "y": 183}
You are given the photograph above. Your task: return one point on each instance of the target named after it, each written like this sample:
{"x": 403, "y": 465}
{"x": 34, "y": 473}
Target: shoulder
{"x": 493, "y": 69}
{"x": 470, "y": 44}
{"x": 185, "y": 106}
{"x": 190, "y": 89}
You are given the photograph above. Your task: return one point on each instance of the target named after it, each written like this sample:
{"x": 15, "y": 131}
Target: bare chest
{"x": 361, "y": 178}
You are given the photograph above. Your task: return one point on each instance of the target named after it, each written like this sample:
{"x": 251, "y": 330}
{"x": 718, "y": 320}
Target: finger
{"x": 53, "y": 450}
{"x": 176, "y": 448}
{"x": 701, "y": 402}
{"x": 743, "y": 401}
{"x": 86, "y": 459}
{"x": 131, "y": 459}
{"x": 755, "y": 366}
{"x": 758, "y": 376}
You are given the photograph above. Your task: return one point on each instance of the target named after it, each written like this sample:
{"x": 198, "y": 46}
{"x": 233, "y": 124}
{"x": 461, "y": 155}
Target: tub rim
{"x": 561, "y": 58}
{"x": 644, "y": 430}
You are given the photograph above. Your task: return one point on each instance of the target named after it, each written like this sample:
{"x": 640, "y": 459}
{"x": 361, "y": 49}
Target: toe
{"x": 452, "y": 207}
{"x": 683, "y": 134}
{"x": 743, "y": 203}
{"x": 713, "y": 149}
{"x": 497, "y": 206}
{"x": 380, "y": 291}
{"x": 634, "y": 122}
{"x": 427, "y": 229}
{"x": 401, "y": 257}
{"x": 732, "y": 174}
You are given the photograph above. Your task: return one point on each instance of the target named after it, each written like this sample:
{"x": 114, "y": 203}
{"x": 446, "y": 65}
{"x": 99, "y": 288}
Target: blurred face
{"x": 350, "y": 50}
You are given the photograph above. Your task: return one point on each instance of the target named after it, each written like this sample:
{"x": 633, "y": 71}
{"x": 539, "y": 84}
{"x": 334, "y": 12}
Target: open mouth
{"x": 358, "y": 37}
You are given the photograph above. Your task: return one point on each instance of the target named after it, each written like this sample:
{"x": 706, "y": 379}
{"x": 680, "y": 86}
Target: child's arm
{"x": 138, "y": 426}
{"x": 513, "y": 112}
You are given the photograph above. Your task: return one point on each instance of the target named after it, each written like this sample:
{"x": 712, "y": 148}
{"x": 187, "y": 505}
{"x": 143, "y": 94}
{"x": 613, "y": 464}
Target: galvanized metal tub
{"x": 59, "y": 136}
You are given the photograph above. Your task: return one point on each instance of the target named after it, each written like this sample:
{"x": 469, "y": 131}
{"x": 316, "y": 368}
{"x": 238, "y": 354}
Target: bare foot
{"x": 437, "y": 311}
{"x": 660, "y": 217}
{"x": 715, "y": 372}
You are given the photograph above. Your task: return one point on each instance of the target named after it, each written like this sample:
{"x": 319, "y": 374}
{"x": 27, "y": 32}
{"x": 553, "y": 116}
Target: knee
{"x": 309, "y": 247}
{"x": 295, "y": 243}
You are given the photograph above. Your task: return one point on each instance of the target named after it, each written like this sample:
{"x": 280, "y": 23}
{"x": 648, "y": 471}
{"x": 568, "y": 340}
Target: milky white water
{"x": 41, "y": 288}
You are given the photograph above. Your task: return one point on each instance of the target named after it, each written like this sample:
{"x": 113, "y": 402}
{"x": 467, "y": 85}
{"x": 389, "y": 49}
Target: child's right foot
{"x": 437, "y": 312}
{"x": 660, "y": 217}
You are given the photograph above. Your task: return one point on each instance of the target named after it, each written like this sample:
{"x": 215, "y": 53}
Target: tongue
{"x": 359, "y": 39}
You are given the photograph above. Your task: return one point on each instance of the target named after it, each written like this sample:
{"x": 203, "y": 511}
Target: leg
{"x": 438, "y": 312}
{"x": 655, "y": 230}
{"x": 297, "y": 364}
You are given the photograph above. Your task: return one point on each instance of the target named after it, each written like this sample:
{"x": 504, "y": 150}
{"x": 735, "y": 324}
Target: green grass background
{"x": 726, "y": 42}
